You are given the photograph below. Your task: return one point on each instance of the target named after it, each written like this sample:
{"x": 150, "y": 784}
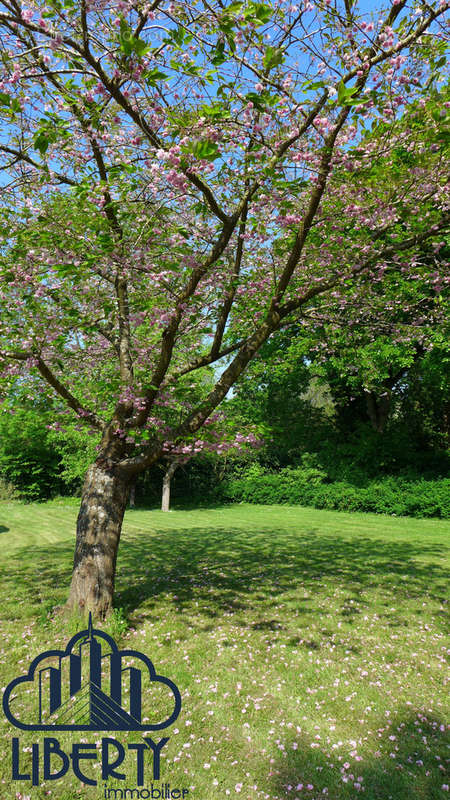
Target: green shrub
{"x": 310, "y": 486}
{"x": 7, "y": 490}
{"x": 76, "y": 449}
{"x": 28, "y": 460}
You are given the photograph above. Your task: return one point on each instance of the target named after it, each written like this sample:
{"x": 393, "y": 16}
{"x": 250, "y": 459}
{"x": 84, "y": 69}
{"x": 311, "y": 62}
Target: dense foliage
{"x": 181, "y": 182}
{"x": 309, "y": 487}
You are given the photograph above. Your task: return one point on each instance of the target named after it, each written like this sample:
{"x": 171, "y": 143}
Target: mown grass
{"x": 309, "y": 646}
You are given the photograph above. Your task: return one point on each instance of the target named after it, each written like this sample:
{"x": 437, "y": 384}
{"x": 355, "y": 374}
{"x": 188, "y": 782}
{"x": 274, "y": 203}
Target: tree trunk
{"x": 132, "y": 494}
{"x": 103, "y": 503}
{"x": 165, "y": 502}
{"x": 378, "y": 409}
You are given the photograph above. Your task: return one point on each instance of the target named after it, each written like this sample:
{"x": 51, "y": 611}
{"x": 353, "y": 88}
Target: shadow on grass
{"x": 233, "y": 569}
{"x": 223, "y": 566}
{"x": 411, "y": 765}
{"x": 3, "y": 529}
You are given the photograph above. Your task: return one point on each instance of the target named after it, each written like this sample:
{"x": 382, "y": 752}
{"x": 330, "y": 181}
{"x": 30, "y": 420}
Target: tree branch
{"x": 63, "y": 392}
{"x": 22, "y": 156}
{"x": 229, "y": 299}
{"x": 392, "y": 249}
{"x": 51, "y": 379}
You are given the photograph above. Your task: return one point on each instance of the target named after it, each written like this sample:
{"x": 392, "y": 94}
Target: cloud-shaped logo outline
{"x": 29, "y": 678}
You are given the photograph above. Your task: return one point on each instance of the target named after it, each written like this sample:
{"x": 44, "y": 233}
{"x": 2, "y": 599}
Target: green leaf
{"x": 272, "y": 57}
{"x": 130, "y": 44}
{"x": 191, "y": 68}
{"x": 231, "y": 43}
{"x": 219, "y": 56}
{"x": 258, "y": 12}
{"x": 125, "y": 38}
{"x": 201, "y": 208}
{"x": 140, "y": 47}
{"x": 345, "y": 95}
{"x": 41, "y": 142}
{"x": 155, "y": 75}
{"x": 314, "y": 85}
{"x": 234, "y": 8}
{"x": 227, "y": 20}
{"x": 257, "y": 100}
{"x": 208, "y": 77}
{"x": 341, "y": 92}
{"x": 206, "y": 150}
{"x": 261, "y": 100}
{"x": 178, "y": 37}
{"x": 5, "y": 99}
{"x": 216, "y": 111}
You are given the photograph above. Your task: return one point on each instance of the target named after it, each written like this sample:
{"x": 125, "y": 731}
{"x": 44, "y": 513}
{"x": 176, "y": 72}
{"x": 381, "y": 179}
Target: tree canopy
{"x": 183, "y": 180}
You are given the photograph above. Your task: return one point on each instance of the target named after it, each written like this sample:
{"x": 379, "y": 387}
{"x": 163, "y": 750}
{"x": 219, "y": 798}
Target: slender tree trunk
{"x": 103, "y": 503}
{"x": 378, "y": 409}
{"x": 165, "y": 502}
{"x": 132, "y": 494}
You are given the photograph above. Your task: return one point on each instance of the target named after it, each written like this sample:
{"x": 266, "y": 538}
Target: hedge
{"x": 310, "y": 487}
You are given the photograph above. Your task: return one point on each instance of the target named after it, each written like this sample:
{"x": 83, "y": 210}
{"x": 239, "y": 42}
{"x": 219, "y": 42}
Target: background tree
{"x": 216, "y": 439}
{"x": 201, "y": 150}
{"x": 28, "y": 460}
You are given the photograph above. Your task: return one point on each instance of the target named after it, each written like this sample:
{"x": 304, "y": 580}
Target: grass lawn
{"x": 309, "y": 646}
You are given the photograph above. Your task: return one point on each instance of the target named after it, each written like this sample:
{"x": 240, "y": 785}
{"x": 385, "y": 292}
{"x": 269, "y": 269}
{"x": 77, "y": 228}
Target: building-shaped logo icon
{"x": 92, "y": 686}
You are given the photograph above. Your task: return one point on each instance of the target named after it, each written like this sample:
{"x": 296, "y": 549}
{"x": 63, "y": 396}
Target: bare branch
{"x": 21, "y": 155}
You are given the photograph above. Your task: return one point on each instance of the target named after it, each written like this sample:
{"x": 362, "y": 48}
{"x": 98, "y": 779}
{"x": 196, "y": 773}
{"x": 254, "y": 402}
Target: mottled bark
{"x": 103, "y": 503}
